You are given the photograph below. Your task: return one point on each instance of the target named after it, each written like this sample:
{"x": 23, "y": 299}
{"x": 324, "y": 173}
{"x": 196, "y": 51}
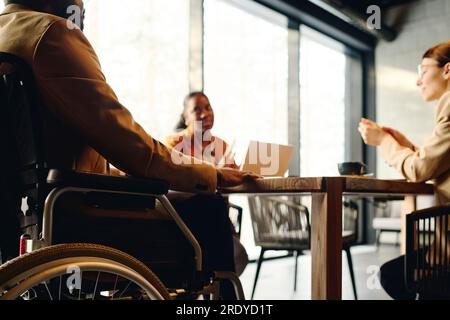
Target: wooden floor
{"x": 277, "y": 276}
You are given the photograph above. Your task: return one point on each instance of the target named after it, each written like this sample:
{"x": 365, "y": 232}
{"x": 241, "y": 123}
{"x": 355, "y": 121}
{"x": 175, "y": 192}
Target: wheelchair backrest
{"x": 22, "y": 163}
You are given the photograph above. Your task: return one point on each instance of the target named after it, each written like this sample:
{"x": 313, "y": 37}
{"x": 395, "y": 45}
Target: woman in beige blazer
{"x": 418, "y": 164}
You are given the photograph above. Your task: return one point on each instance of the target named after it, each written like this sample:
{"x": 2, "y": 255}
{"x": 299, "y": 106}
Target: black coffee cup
{"x": 352, "y": 169}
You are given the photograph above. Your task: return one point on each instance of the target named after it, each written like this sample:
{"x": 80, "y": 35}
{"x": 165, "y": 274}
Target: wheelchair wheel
{"x": 79, "y": 272}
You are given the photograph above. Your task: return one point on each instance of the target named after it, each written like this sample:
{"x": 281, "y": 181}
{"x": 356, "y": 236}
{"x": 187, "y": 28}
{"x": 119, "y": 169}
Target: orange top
{"x": 208, "y": 148}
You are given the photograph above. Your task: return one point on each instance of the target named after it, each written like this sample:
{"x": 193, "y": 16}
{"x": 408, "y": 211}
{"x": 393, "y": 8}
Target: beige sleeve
{"x": 429, "y": 161}
{"x": 75, "y": 90}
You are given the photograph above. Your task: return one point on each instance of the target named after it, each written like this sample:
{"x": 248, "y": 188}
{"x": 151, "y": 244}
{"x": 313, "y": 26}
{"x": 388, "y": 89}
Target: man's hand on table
{"x": 227, "y": 178}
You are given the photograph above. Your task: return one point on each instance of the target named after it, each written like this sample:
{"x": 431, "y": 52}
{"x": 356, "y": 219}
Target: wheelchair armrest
{"x": 63, "y": 181}
{"x": 59, "y": 178}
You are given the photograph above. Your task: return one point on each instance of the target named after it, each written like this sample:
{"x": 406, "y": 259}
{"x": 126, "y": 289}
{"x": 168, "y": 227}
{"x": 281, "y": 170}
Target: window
{"x": 2, "y": 5}
{"x": 330, "y": 104}
{"x": 246, "y": 79}
{"x": 144, "y": 52}
{"x": 246, "y": 71}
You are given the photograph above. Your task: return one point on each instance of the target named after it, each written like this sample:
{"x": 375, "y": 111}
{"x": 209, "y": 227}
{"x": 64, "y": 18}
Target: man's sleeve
{"x": 427, "y": 162}
{"x": 74, "y": 89}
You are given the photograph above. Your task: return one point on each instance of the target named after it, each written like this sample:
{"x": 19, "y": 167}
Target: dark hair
{"x": 181, "y": 125}
{"x": 59, "y": 7}
{"x": 34, "y": 4}
{"x": 440, "y": 53}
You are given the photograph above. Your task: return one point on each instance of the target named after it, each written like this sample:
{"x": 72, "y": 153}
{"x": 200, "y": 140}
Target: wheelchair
{"x": 52, "y": 268}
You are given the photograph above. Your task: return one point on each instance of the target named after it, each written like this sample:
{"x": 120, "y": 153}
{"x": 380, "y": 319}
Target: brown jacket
{"x": 84, "y": 124}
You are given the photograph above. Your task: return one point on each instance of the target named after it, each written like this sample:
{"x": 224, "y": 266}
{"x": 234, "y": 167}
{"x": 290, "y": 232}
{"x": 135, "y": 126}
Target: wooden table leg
{"x": 409, "y": 205}
{"x": 326, "y": 242}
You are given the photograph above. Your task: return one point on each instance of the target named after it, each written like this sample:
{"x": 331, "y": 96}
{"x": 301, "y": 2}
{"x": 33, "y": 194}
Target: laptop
{"x": 267, "y": 159}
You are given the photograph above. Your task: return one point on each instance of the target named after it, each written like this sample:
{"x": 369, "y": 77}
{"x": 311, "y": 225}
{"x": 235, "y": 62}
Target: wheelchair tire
{"x": 34, "y": 265}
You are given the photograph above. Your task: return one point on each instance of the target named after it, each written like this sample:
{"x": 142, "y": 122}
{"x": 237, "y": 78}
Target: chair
{"x": 280, "y": 224}
{"x": 427, "y": 263}
{"x": 387, "y": 218}
{"x": 46, "y": 253}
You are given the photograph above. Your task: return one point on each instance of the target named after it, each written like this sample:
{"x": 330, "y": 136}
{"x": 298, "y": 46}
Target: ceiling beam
{"x": 360, "y": 19}
{"x": 313, "y": 16}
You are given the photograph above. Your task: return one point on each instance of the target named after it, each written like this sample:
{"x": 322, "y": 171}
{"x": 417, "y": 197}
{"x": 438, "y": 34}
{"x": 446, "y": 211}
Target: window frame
{"x": 355, "y": 41}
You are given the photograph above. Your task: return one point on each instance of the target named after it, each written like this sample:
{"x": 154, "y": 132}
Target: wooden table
{"x": 326, "y": 217}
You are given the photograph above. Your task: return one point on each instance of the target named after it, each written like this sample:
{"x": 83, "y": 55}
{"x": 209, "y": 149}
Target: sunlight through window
{"x": 144, "y": 52}
{"x": 246, "y": 72}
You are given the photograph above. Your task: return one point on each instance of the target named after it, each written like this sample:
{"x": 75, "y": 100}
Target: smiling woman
{"x": 420, "y": 164}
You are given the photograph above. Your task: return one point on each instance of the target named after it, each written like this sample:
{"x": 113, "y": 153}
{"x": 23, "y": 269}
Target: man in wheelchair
{"x": 83, "y": 128}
